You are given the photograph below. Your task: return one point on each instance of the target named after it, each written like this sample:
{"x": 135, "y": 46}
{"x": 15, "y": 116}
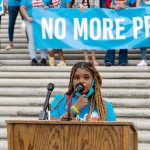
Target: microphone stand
{"x": 44, "y": 115}
{"x": 49, "y": 112}
{"x": 68, "y": 109}
{"x": 69, "y": 115}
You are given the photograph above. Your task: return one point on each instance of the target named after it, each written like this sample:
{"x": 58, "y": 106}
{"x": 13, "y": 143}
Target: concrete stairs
{"x": 23, "y": 87}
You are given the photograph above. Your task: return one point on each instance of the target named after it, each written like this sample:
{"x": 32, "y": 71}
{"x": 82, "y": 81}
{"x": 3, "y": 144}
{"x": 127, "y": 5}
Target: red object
{"x": 108, "y": 3}
{"x": 37, "y": 3}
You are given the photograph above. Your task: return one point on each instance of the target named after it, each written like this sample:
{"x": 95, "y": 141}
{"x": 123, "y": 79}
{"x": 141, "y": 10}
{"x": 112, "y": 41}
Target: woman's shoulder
{"x": 58, "y": 98}
{"x": 59, "y": 95}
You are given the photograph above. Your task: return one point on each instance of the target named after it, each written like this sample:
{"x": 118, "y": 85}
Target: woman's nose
{"x": 81, "y": 81}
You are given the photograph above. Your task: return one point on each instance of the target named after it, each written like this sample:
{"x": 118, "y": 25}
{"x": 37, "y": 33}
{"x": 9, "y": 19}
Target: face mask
{"x": 90, "y": 92}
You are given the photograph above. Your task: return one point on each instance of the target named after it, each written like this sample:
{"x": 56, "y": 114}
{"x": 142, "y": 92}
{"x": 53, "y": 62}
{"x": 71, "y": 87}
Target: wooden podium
{"x": 63, "y": 135}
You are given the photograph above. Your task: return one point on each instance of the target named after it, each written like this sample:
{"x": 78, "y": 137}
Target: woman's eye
{"x": 87, "y": 77}
{"x": 76, "y": 77}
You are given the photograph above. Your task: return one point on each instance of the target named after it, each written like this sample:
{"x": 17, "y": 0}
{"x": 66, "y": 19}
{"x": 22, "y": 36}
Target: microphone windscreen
{"x": 50, "y": 87}
{"x": 79, "y": 88}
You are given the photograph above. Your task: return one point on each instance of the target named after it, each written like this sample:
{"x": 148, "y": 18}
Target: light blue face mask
{"x": 90, "y": 92}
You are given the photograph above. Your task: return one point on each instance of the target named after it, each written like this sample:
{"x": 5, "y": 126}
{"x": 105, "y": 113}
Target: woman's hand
{"x": 81, "y": 7}
{"x": 30, "y": 19}
{"x": 81, "y": 102}
{"x": 116, "y": 7}
{"x": 6, "y": 9}
{"x": 122, "y": 5}
{"x": 46, "y": 7}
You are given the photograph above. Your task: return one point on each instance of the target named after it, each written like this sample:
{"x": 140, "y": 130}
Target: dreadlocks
{"x": 97, "y": 96}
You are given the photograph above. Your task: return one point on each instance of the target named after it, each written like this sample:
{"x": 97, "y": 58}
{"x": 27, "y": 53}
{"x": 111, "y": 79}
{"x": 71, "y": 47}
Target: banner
{"x": 92, "y": 29}
{"x": 1, "y": 7}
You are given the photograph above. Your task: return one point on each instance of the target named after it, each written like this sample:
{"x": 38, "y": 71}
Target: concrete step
{"x": 67, "y": 56}
{"x": 4, "y": 118}
{"x": 23, "y": 101}
{"x": 6, "y": 17}
{"x": 144, "y": 136}
{"x": 17, "y": 40}
{"x": 139, "y": 123}
{"x": 111, "y": 83}
{"x": 21, "y": 35}
{"x": 20, "y": 111}
{"x": 71, "y": 52}
{"x": 17, "y": 46}
{"x": 133, "y": 112}
{"x": 130, "y": 102}
{"x": 16, "y": 31}
{"x": 65, "y": 75}
{"x": 4, "y": 25}
{"x": 33, "y": 111}
{"x": 3, "y": 133}
{"x": 39, "y": 101}
{"x": 100, "y": 69}
{"x": 5, "y": 20}
{"x": 69, "y": 62}
{"x": 141, "y": 146}
{"x": 107, "y": 92}
{"x": 144, "y": 146}
{"x": 3, "y": 144}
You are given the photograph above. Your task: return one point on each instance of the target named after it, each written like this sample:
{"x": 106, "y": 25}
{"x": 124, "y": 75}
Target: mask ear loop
{"x": 93, "y": 83}
{"x": 91, "y": 91}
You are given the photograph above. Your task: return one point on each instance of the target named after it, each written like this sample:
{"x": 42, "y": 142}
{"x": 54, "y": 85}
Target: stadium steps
{"x": 23, "y": 87}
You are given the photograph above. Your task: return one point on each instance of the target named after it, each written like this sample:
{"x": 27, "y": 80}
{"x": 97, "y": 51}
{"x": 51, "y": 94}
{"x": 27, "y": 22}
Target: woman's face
{"x": 85, "y": 77}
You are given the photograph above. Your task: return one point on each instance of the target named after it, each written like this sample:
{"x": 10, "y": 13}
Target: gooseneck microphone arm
{"x": 43, "y": 114}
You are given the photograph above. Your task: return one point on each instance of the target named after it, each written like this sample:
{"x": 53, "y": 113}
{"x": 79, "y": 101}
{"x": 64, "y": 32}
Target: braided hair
{"x": 97, "y": 96}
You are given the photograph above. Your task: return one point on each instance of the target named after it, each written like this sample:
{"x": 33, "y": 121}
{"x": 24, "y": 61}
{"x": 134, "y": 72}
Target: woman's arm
{"x": 24, "y": 13}
{"x": 59, "y": 103}
{"x": 68, "y": 5}
{"x": 138, "y": 2}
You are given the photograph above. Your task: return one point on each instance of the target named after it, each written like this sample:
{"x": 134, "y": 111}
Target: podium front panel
{"x": 70, "y": 136}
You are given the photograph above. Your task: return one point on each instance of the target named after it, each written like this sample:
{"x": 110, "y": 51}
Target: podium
{"x": 73, "y": 135}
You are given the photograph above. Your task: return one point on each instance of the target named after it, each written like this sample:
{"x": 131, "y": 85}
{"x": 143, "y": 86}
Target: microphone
{"x": 43, "y": 114}
{"x": 79, "y": 88}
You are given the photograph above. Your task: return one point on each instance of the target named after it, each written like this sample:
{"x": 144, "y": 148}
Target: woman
{"x": 26, "y": 10}
{"x": 13, "y": 9}
{"x": 87, "y": 105}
